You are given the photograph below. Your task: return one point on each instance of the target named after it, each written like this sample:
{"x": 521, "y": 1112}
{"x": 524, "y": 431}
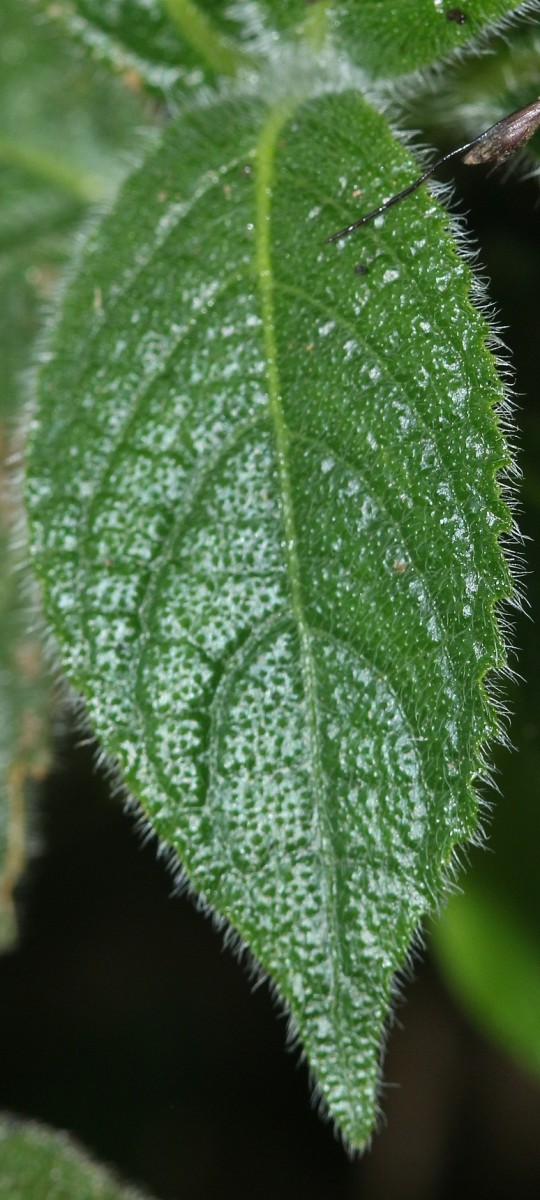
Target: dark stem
{"x": 494, "y": 145}
{"x": 376, "y": 212}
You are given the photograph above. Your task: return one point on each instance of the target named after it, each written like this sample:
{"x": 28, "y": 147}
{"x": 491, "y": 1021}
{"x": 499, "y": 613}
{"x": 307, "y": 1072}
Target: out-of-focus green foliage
{"x": 169, "y": 45}
{"x": 63, "y": 129}
{"x": 37, "y": 1163}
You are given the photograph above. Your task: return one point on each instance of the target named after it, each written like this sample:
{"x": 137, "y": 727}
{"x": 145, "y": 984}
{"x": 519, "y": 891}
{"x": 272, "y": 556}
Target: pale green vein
{"x": 199, "y": 31}
{"x": 314, "y": 27}
{"x": 263, "y": 199}
{"x": 50, "y": 168}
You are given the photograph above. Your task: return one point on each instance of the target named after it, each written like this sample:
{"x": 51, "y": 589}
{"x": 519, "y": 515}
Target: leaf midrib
{"x": 264, "y": 178}
{"x": 263, "y": 200}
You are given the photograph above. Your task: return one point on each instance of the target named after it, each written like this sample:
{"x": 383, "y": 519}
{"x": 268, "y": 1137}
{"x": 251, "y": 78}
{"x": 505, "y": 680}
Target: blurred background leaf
{"x": 65, "y": 131}
{"x": 40, "y": 1164}
{"x": 167, "y": 44}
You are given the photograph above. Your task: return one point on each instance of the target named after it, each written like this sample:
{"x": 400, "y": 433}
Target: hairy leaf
{"x": 393, "y": 39}
{"x": 169, "y": 42}
{"x": 264, "y": 511}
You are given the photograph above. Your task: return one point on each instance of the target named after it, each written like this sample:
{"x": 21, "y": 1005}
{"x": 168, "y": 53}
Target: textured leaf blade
{"x": 161, "y": 40}
{"x": 263, "y": 508}
{"x": 393, "y": 39}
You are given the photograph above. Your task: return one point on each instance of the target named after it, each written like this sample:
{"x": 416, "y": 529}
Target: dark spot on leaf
{"x": 361, "y": 269}
{"x": 457, "y": 15}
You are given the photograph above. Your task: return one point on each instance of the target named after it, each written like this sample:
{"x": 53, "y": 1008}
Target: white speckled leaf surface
{"x": 264, "y": 511}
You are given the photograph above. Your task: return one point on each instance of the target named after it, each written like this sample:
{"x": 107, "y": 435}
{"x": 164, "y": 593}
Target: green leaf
{"x": 37, "y": 1163}
{"x": 491, "y": 959}
{"x": 166, "y": 43}
{"x": 394, "y": 39}
{"x": 58, "y": 150}
{"x": 169, "y": 42}
{"x": 264, "y": 511}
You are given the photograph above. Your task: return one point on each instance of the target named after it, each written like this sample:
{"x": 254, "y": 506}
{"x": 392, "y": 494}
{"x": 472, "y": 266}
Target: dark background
{"x": 123, "y": 1020}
